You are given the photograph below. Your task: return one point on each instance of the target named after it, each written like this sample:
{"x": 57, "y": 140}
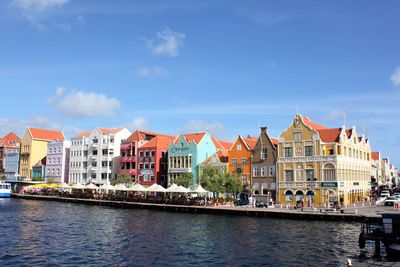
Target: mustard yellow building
{"x": 34, "y": 148}
{"x": 321, "y": 165}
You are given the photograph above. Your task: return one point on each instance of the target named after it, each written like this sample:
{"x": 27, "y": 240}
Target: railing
{"x": 307, "y": 159}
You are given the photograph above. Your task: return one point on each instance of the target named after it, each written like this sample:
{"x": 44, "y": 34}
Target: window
{"x": 310, "y": 175}
{"x": 309, "y": 151}
{"x": 264, "y": 153}
{"x": 271, "y": 171}
{"x": 289, "y": 175}
{"x": 111, "y": 139}
{"x": 164, "y": 154}
{"x": 288, "y": 152}
{"x": 239, "y": 147}
{"x": 94, "y": 164}
{"x": 104, "y": 152}
{"x": 297, "y": 136}
{"x": 244, "y": 179}
{"x": 147, "y": 153}
{"x": 256, "y": 171}
{"x": 152, "y": 178}
{"x": 141, "y": 166}
{"x": 95, "y": 141}
{"x": 153, "y": 153}
{"x": 244, "y": 162}
{"x": 263, "y": 170}
{"x": 152, "y": 166}
{"x": 140, "y": 153}
{"x": 94, "y": 152}
{"x": 234, "y": 162}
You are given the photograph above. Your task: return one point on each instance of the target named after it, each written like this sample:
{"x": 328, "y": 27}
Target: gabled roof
{"x": 110, "y": 131}
{"x": 221, "y": 154}
{"x": 48, "y": 135}
{"x": 274, "y": 140}
{"x": 330, "y": 135}
{"x": 159, "y": 142}
{"x": 12, "y": 137}
{"x": 312, "y": 124}
{"x": 196, "y": 137}
{"x": 83, "y": 134}
{"x": 375, "y": 155}
{"x": 349, "y": 132}
{"x": 144, "y": 135}
{"x": 223, "y": 145}
{"x": 251, "y": 143}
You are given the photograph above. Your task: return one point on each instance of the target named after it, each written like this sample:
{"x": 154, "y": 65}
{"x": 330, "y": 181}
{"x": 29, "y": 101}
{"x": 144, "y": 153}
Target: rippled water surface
{"x": 51, "y": 234}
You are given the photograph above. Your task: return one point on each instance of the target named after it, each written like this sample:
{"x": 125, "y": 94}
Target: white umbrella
{"x": 137, "y": 187}
{"x": 106, "y": 187}
{"x": 78, "y": 186}
{"x": 92, "y": 186}
{"x": 173, "y": 189}
{"x": 121, "y": 187}
{"x": 64, "y": 185}
{"x": 156, "y": 188}
{"x": 197, "y": 189}
{"x": 183, "y": 189}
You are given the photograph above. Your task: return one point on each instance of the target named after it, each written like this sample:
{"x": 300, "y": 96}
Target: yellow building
{"x": 34, "y": 148}
{"x": 321, "y": 165}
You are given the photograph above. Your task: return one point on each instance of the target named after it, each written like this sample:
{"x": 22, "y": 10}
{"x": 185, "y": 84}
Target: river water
{"x": 40, "y": 233}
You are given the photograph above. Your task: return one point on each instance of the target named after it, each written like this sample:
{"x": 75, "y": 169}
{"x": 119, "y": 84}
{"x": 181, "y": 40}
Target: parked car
{"x": 390, "y": 201}
{"x": 385, "y": 193}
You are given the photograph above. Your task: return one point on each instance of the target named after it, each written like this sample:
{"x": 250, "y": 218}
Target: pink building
{"x": 57, "y": 162}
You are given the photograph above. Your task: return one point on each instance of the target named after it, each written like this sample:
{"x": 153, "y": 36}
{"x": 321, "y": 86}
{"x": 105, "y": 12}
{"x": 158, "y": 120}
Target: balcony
{"x": 93, "y": 157}
{"x": 179, "y": 170}
{"x": 308, "y": 159}
{"x": 305, "y": 185}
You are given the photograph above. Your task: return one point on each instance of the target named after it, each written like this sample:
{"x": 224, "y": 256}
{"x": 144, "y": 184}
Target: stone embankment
{"x": 350, "y": 214}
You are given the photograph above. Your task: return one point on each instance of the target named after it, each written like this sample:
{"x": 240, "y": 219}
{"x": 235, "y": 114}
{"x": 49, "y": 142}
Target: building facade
{"x": 153, "y": 161}
{"x": 57, "y": 161}
{"x": 34, "y": 148}
{"x": 39, "y": 170}
{"x": 186, "y": 153}
{"x": 78, "y": 159}
{"x": 263, "y": 161}
{"x": 103, "y": 151}
{"x": 9, "y": 156}
{"x": 320, "y": 165}
{"x": 129, "y": 164}
{"x": 240, "y": 158}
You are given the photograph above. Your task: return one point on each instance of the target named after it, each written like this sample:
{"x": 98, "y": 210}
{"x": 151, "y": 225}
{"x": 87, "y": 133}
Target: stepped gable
{"x": 47, "y": 135}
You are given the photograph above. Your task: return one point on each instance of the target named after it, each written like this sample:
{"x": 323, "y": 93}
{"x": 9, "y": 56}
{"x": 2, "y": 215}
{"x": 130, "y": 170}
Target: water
{"x": 39, "y": 233}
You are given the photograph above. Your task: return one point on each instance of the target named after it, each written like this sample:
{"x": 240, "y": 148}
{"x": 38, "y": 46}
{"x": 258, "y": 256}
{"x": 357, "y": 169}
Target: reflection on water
{"x": 51, "y": 233}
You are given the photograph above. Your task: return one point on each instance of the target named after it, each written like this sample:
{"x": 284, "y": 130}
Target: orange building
{"x": 240, "y": 158}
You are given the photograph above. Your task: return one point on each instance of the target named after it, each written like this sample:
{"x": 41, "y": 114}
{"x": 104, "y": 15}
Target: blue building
{"x": 187, "y": 152}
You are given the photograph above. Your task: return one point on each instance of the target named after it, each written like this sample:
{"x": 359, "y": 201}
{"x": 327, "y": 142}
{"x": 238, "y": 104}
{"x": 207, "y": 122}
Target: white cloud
{"x": 137, "y": 123}
{"x": 167, "y": 43}
{"x": 83, "y": 104}
{"x": 38, "y": 5}
{"x": 395, "y": 77}
{"x": 336, "y": 116}
{"x": 214, "y": 128}
{"x": 152, "y": 72}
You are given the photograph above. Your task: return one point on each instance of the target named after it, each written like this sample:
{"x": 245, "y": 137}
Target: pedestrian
{"x": 341, "y": 201}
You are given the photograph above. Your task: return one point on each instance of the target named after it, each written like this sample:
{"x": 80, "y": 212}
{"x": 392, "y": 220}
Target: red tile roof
{"x": 329, "y": 135}
{"x": 48, "y": 135}
{"x": 141, "y": 135}
{"x": 161, "y": 142}
{"x": 349, "y": 132}
{"x": 196, "y": 137}
{"x": 250, "y": 142}
{"x": 375, "y": 155}
{"x": 226, "y": 145}
{"x": 110, "y": 131}
{"x": 312, "y": 124}
{"x": 274, "y": 140}
{"x": 85, "y": 134}
{"x": 221, "y": 154}
{"x": 12, "y": 137}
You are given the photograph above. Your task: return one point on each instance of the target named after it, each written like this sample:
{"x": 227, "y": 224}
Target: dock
{"x": 353, "y": 214}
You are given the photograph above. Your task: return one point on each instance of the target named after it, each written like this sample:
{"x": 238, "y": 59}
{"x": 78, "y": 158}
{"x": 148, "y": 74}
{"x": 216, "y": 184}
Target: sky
{"x": 227, "y": 67}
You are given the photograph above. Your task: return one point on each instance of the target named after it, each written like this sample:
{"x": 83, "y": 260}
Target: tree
{"x": 50, "y": 179}
{"x": 185, "y": 179}
{"x": 213, "y": 180}
{"x": 232, "y": 184}
{"x": 3, "y": 177}
{"x": 122, "y": 179}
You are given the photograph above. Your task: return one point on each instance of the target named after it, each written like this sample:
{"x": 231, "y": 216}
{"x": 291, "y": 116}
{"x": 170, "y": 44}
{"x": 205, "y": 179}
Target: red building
{"x": 153, "y": 161}
{"x": 9, "y": 143}
{"x": 129, "y": 152}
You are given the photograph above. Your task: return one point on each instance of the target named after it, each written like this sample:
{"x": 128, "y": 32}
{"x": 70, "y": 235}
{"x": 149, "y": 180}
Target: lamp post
{"x": 310, "y": 188}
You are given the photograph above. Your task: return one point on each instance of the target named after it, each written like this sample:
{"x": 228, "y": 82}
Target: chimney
{"x": 263, "y": 129}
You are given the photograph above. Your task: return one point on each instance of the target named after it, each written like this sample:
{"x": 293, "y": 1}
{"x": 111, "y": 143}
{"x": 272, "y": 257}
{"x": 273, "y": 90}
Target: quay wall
{"x": 220, "y": 210}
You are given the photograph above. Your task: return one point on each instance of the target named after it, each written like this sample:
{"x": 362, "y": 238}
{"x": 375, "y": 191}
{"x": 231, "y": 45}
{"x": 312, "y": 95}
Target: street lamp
{"x": 310, "y": 188}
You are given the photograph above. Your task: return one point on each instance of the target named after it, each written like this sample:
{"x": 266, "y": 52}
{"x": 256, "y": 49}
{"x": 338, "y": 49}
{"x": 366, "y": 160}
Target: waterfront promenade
{"x": 356, "y": 213}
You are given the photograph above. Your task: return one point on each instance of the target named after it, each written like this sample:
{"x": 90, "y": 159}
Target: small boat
{"x": 5, "y": 189}
{"x": 386, "y": 232}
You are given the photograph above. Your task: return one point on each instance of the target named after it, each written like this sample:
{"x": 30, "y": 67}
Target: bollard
{"x": 354, "y": 205}
{"x": 281, "y": 206}
{"x": 355, "y": 211}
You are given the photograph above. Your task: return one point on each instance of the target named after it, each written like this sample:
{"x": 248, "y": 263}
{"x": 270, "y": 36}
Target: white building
{"x": 94, "y": 155}
{"x": 57, "y": 161}
{"x": 78, "y": 166}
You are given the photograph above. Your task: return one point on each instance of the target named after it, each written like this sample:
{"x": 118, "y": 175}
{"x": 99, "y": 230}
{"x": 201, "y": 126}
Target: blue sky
{"x": 183, "y": 66}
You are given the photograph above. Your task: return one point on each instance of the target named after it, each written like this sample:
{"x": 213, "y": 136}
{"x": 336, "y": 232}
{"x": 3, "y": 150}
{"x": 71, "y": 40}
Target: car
{"x": 397, "y": 194}
{"x": 385, "y": 193}
{"x": 390, "y": 201}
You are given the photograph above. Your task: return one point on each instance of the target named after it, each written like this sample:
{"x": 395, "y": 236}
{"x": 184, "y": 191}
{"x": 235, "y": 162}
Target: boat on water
{"x": 5, "y": 189}
{"x": 387, "y": 232}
